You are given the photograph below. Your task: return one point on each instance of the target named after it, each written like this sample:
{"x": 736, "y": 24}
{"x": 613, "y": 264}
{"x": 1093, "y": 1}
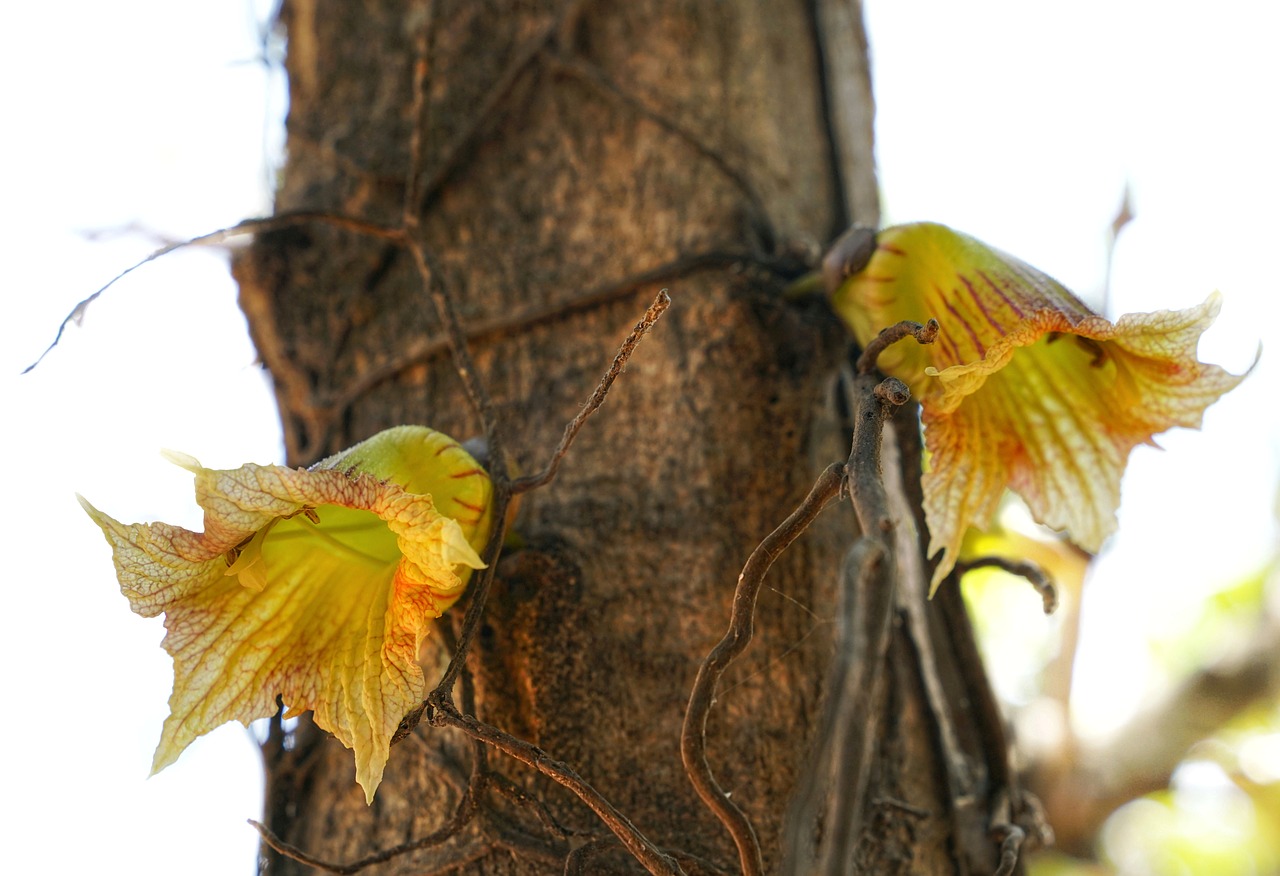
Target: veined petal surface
{"x": 317, "y": 586}
{"x": 1025, "y": 388}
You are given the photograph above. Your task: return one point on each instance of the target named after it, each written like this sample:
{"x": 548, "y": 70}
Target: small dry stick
{"x": 1035, "y": 576}
{"x": 425, "y": 349}
{"x": 477, "y": 394}
{"x": 656, "y": 861}
{"x": 504, "y": 489}
{"x": 522, "y": 798}
{"x": 456, "y": 153}
{"x": 924, "y": 334}
{"x": 824, "y": 792}
{"x": 481, "y": 583}
{"x": 1010, "y": 835}
{"x": 418, "y": 113}
{"x": 593, "y": 76}
{"x": 482, "y": 404}
{"x": 577, "y": 861}
{"x": 865, "y": 635}
{"x": 651, "y": 316}
{"x": 693, "y": 737}
{"x": 248, "y": 226}
{"x": 465, "y": 812}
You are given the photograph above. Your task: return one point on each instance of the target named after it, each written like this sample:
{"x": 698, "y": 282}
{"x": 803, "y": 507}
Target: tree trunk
{"x": 562, "y": 164}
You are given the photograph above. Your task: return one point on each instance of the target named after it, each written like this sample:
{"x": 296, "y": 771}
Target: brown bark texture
{"x": 562, "y": 163}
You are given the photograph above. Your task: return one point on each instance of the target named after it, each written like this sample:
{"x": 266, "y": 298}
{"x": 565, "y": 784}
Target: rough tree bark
{"x": 565, "y": 162}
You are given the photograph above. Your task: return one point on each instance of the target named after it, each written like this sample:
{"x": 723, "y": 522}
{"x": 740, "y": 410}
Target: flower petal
{"x": 318, "y": 586}
{"x": 1025, "y": 387}
{"x": 426, "y": 462}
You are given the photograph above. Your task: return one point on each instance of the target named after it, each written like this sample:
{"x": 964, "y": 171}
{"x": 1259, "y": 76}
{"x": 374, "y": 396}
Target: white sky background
{"x": 1017, "y": 122}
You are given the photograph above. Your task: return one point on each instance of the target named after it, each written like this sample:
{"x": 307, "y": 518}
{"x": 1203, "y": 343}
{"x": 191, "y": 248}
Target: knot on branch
{"x": 924, "y": 334}
{"x": 893, "y": 391}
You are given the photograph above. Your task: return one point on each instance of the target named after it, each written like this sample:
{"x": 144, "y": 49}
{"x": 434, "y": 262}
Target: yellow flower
{"x": 1024, "y": 388}
{"x": 317, "y": 585}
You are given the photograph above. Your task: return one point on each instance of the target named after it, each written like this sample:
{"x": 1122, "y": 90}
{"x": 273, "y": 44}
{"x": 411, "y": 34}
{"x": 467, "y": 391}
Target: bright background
{"x": 139, "y": 122}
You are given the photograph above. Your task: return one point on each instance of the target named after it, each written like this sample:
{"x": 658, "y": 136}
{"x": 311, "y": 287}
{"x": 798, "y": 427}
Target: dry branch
{"x": 1034, "y": 575}
{"x": 248, "y": 226}
{"x": 656, "y": 861}
{"x": 693, "y": 737}
{"x": 651, "y": 316}
{"x": 832, "y": 789}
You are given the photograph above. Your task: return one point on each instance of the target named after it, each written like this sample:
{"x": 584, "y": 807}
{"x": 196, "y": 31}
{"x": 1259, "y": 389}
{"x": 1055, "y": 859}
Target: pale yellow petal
{"x": 1024, "y": 388}
{"x": 315, "y": 586}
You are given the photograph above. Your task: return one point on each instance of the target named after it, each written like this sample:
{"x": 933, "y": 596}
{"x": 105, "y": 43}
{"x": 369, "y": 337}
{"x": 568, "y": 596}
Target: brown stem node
{"x": 893, "y": 391}
{"x": 924, "y": 334}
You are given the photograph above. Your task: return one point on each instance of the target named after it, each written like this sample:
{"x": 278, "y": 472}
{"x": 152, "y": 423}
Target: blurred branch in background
{"x": 1080, "y": 793}
{"x": 1122, "y": 801}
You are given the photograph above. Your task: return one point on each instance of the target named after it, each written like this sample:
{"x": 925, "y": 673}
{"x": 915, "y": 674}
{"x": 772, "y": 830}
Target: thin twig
{"x": 248, "y": 226}
{"x": 1034, "y": 575}
{"x": 458, "y": 150}
{"x": 984, "y": 717}
{"x": 433, "y": 282}
{"x": 442, "y": 713}
{"x": 902, "y": 806}
{"x": 1004, "y": 830}
{"x": 870, "y": 594}
{"x": 511, "y": 838}
{"x": 651, "y": 316}
{"x": 575, "y": 863}
{"x": 465, "y": 812}
{"x": 521, "y": 797}
{"x": 697, "y": 865}
{"x": 590, "y": 74}
{"x": 521, "y": 320}
{"x": 924, "y": 334}
{"x": 901, "y": 478}
{"x": 503, "y": 488}
{"x": 440, "y": 706}
{"x": 693, "y": 736}
{"x": 482, "y": 404}
{"x": 1031, "y": 817}
{"x": 776, "y": 659}
{"x": 418, "y": 113}
{"x": 481, "y": 584}
{"x": 967, "y": 811}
